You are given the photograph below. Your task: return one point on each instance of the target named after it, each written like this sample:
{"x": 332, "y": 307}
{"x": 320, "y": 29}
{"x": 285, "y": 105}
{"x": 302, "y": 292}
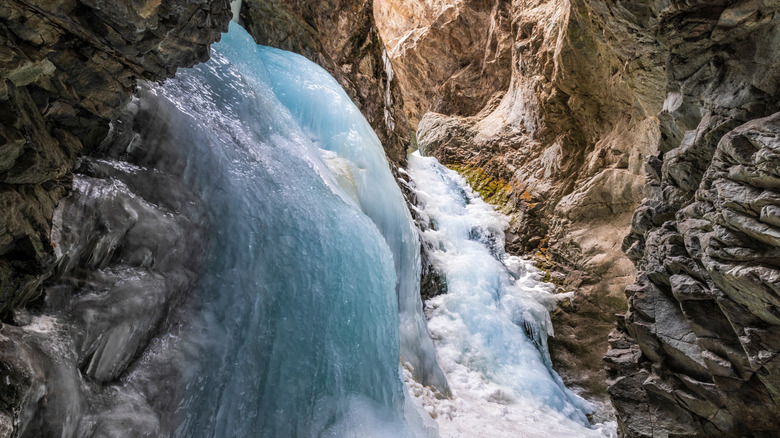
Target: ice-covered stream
{"x": 490, "y": 328}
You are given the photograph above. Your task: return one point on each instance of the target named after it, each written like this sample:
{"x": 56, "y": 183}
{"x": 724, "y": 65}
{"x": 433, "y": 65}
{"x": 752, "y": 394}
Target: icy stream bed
{"x": 490, "y": 329}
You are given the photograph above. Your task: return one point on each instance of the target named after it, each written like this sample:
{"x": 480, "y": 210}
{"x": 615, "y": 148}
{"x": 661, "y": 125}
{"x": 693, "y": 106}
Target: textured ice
{"x": 490, "y": 329}
{"x": 311, "y": 247}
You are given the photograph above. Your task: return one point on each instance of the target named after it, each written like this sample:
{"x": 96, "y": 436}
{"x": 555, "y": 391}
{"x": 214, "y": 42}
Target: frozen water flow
{"x": 490, "y": 328}
{"x": 355, "y": 156}
{"x": 312, "y": 254}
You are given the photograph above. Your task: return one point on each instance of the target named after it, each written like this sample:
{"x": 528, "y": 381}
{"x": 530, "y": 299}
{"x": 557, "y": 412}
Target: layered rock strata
{"x": 342, "y": 37}
{"x": 66, "y": 69}
{"x": 697, "y": 352}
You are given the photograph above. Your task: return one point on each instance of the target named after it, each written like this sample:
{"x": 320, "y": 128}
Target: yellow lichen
{"x": 494, "y": 191}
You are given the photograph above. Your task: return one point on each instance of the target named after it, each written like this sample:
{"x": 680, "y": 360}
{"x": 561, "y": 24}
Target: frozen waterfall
{"x": 312, "y": 255}
{"x": 306, "y": 318}
{"x": 491, "y": 326}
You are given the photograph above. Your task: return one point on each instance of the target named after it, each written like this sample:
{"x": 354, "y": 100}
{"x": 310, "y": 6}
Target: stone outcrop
{"x": 549, "y": 107}
{"x": 66, "y": 69}
{"x": 342, "y": 37}
{"x": 697, "y": 352}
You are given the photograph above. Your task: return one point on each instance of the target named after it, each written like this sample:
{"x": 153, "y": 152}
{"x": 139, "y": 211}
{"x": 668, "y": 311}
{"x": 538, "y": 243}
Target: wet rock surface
{"x": 129, "y": 242}
{"x": 696, "y": 353}
{"x": 66, "y": 69}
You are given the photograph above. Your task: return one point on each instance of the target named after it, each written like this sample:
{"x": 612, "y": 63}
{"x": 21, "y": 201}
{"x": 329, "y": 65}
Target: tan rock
{"x": 559, "y": 100}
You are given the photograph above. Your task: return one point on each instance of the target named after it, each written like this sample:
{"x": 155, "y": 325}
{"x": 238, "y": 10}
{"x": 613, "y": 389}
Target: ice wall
{"x": 355, "y": 156}
{"x": 297, "y": 328}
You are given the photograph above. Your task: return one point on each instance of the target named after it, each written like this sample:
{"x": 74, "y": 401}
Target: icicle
{"x": 235, "y": 8}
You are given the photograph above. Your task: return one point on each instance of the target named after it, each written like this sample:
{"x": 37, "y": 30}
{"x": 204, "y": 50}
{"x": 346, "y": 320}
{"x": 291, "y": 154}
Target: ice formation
{"x": 490, "y": 328}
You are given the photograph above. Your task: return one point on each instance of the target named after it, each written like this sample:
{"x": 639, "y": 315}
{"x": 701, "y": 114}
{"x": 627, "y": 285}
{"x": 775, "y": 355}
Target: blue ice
{"x": 296, "y": 332}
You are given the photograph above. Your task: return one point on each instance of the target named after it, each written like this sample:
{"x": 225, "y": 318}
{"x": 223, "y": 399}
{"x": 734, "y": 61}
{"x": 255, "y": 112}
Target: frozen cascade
{"x": 354, "y": 154}
{"x": 297, "y": 321}
{"x": 490, "y": 328}
{"x": 254, "y": 176}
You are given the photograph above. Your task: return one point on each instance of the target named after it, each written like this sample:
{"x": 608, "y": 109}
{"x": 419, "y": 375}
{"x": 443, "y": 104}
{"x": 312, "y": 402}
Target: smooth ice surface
{"x": 296, "y": 333}
{"x": 490, "y": 329}
{"x": 355, "y": 156}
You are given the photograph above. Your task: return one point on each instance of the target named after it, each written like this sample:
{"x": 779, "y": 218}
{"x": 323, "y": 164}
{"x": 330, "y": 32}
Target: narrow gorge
{"x": 390, "y": 218}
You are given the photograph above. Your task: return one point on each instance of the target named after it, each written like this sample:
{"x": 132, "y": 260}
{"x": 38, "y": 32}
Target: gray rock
{"x": 711, "y": 346}
{"x": 66, "y": 69}
{"x": 129, "y": 240}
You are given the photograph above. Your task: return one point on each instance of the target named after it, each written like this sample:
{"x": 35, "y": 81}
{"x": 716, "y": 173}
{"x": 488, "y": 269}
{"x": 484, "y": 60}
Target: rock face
{"x": 697, "y": 352}
{"x": 130, "y": 242}
{"x": 66, "y": 69}
{"x": 450, "y": 57}
{"x": 548, "y": 108}
{"x": 340, "y": 36}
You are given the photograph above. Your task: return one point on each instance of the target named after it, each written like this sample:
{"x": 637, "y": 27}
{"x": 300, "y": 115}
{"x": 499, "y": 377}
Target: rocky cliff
{"x": 66, "y": 69}
{"x": 450, "y": 57}
{"x": 697, "y": 352}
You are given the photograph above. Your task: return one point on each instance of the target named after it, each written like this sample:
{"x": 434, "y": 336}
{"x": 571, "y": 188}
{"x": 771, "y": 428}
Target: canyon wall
{"x": 72, "y": 324}
{"x": 697, "y": 352}
{"x": 548, "y": 108}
